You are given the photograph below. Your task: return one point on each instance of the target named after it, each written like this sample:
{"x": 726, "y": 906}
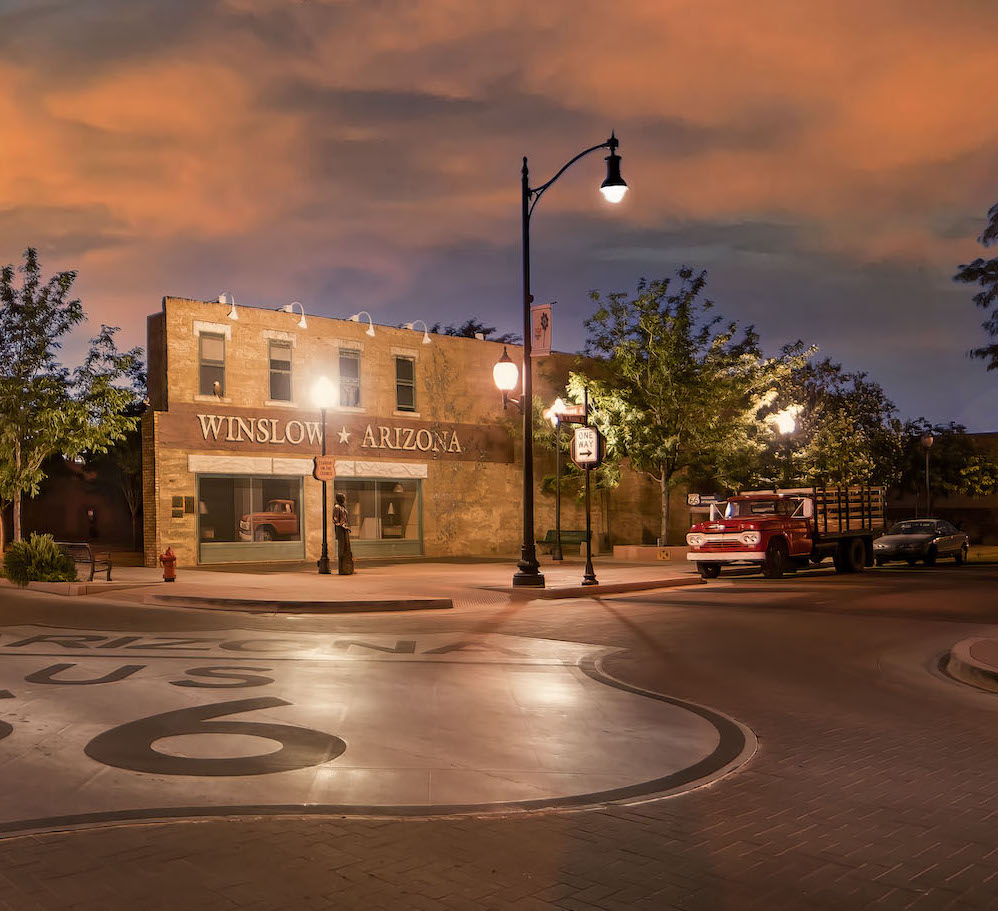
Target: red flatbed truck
{"x": 784, "y": 530}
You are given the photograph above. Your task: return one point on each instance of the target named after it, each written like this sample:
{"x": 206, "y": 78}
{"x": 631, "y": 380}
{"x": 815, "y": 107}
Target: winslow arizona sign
{"x": 345, "y": 435}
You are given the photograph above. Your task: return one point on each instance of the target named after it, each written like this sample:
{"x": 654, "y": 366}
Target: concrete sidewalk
{"x": 975, "y": 662}
{"x": 381, "y": 587}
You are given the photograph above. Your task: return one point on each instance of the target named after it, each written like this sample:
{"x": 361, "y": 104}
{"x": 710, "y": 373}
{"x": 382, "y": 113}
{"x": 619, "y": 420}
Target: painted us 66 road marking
{"x": 118, "y": 725}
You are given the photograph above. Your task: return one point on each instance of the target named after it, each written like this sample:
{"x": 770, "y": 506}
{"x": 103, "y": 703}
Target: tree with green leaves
{"x": 682, "y": 389}
{"x": 984, "y": 272}
{"x": 45, "y": 408}
{"x": 473, "y": 327}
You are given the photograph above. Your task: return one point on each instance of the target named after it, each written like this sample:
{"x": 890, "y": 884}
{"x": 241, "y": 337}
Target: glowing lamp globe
{"x": 324, "y": 393}
{"x": 505, "y": 373}
{"x": 614, "y": 187}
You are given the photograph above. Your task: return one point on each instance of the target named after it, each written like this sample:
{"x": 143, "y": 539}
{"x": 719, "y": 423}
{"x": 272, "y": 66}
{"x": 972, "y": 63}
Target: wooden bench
{"x": 569, "y": 537}
{"x": 83, "y": 554}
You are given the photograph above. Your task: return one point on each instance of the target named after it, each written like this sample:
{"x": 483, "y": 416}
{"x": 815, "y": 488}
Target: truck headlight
{"x": 751, "y": 537}
{"x": 694, "y": 540}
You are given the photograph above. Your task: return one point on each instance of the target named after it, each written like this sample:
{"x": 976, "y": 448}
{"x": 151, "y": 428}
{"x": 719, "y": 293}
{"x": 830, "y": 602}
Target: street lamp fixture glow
{"x": 614, "y": 187}
{"x": 426, "y": 330}
{"x": 370, "y": 322}
{"x": 323, "y": 393}
{"x": 553, "y": 414}
{"x": 785, "y": 422}
{"x": 505, "y": 373}
{"x": 290, "y": 308}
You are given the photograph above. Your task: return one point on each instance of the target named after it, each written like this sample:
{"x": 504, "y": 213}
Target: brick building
{"x": 424, "y": 454}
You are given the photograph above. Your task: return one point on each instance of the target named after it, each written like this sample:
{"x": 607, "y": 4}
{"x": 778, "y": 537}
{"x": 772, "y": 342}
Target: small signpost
{"x": 572, "y": 414}
{"x": 702, "y": 499}
{"x": 588, "y": 448}
{"x": 324, "y": 468}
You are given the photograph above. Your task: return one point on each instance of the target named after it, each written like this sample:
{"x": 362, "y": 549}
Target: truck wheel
{"x": 263, "y": 533}
{"x": 850, "y": 557}
{"x": 930, "y": 556}
{"x": 776, "y": 559}
{"x": 709, "y": 570}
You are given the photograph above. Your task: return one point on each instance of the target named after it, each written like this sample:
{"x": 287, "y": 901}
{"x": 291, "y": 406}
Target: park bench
{"x": 569, "y": 537}
{"x": 83, "y": 555}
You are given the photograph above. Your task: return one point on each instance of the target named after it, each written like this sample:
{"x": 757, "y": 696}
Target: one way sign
{"x": 587, "y": 447}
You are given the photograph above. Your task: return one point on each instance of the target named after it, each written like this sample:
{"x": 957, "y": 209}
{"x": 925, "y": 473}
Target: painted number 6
{"x": 130, "y": 746}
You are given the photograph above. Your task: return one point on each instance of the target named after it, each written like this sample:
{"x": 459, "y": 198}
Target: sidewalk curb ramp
{"x": 962, "y": 664}
{"x": 269, "y": 606}
{"x": 594, "y": 591}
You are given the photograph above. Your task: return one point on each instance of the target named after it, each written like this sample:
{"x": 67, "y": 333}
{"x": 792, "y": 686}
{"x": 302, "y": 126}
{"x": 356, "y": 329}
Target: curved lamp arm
{"x": 537, "y": 192}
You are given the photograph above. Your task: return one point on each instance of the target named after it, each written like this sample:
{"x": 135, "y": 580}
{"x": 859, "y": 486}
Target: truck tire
{"x": 776, "y": 560}
{"x": 709, "y": 570}
{"x": 263, "y": 533}
{"x": 851, "y": 556}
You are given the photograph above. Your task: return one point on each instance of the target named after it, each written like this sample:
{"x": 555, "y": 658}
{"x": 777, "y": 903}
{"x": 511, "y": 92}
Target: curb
{"x": 75, "y": 589}
{"x": 961, "y": 665}
{"x": 594, "y": 591}
{"x": 261, "y": 605}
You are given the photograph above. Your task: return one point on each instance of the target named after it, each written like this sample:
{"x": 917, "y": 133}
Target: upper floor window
{"x": 211, "y": 363}
{"x": 405, "y": 384}
{"x": 349, "y": 378}
{"x": 280, "y": 371}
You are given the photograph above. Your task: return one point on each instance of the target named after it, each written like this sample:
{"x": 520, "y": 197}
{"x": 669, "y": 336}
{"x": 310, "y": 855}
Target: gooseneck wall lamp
{"x": 290, "y": 308}
{"x": 370, "y": 322}
{"x": 226, "y": 298}
{"x": 613, "y": 189}
{"x": 426, "y": 330}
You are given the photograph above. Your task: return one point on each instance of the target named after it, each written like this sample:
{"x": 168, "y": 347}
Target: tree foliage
{"x": 470, "y": 327}
{"x": 45, "y": 408}
{"x": 683, "y": 389}
{"x": 984, "y": 272}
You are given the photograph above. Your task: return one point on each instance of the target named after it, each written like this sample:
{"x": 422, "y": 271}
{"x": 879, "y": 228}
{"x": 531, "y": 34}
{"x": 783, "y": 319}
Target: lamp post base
{"x": 556, "y": 554}
{"x": 323, "y": 564}
{"x": 529, "y": 574}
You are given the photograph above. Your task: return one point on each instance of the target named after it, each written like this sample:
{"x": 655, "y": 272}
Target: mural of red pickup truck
{"x": 278, "y": 521}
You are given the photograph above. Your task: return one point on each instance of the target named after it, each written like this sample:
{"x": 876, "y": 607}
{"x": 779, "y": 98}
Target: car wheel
{"x": 263, "y": 534}
{"x": 961, "y": 555}
{"x": 880, "y": 561}
{"x": 911, "y": 561}
{"x": 930, "y": 556}
{"x": 776, "y": 560}
{"x": 709, "y": 570}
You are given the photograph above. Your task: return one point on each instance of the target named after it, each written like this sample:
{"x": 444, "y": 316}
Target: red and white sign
{"x": 540, "y": 330}
{"x": 572, "y": 414}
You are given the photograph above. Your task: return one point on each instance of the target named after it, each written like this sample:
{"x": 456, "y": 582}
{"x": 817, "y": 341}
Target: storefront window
{"x": 211, "y": 364}
{"x": 249, "y": 518}
{"x": 280, "y": 371}
{"x": 383, "y": 513}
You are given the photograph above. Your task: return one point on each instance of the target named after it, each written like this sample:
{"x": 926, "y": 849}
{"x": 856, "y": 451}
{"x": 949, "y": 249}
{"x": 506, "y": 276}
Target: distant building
{"x": 424, "y": 454}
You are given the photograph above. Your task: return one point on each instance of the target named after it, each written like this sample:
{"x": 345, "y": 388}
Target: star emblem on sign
{"x": 344, "y": 435}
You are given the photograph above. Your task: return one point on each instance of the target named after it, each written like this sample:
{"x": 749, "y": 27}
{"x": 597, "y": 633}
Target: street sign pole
{"x": 590, "y": 577}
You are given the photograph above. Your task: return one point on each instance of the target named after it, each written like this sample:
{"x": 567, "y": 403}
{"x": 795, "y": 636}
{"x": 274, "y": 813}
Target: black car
{"x": 921, "y": 539}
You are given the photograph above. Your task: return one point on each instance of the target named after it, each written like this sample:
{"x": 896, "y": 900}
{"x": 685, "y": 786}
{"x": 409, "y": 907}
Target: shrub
{"x": 38, "y": 560}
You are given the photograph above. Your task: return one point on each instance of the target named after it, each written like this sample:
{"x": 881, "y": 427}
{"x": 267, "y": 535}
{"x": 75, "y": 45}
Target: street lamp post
{"x": 613, "y": 190}
{"x": 322, "y": 395}
{"x": 786, "y": 424}
{"x": 927, "y": 439}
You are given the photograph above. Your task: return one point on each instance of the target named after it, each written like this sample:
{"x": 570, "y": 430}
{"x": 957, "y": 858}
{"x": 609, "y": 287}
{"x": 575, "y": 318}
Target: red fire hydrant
{"x": 169, "y": 561}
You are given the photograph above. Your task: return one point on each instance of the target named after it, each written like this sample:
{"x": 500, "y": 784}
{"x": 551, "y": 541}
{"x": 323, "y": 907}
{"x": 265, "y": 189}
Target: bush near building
{"x": 38, "y": 559}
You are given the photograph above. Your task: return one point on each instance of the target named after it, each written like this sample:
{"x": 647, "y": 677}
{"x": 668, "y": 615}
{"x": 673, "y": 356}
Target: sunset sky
{"x": 830, "y": 164}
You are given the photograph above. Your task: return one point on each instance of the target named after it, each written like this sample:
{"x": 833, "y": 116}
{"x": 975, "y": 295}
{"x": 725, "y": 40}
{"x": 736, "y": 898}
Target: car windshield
{"x": 913, "y": 528}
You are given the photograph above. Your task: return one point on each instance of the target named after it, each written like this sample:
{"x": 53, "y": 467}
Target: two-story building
{"x": 424, "y": 454}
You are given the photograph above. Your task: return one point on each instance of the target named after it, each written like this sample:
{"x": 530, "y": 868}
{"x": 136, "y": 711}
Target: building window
{"x": 211, "y": 361}
{"x": 280, "y": 371}
{"x": 382, "y": 511}
{"x": 405, "y": 384}
{"x": 349, "y": 378}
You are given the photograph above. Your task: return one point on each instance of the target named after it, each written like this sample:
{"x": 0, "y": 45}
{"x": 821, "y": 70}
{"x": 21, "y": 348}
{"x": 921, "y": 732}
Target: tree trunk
{"x": 2, "y": 542}
{"x": 135, "y": 529}
{"x": 16, "y": 514}
{"x": 666, "y": 507}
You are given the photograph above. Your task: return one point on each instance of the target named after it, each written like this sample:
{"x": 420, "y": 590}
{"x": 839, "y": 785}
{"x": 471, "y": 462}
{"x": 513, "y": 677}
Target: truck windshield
{"x": 740, "y": 509}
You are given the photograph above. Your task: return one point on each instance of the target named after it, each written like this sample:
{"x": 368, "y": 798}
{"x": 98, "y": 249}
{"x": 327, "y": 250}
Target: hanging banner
{"x": 540, "y": 330}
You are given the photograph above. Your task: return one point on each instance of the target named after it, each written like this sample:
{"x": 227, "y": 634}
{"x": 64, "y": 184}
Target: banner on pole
{"x": 540, "y": 330}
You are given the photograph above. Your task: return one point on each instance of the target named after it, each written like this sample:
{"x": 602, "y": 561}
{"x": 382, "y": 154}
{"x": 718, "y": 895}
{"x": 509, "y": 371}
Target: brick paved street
{"x": 873, "y": 785}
